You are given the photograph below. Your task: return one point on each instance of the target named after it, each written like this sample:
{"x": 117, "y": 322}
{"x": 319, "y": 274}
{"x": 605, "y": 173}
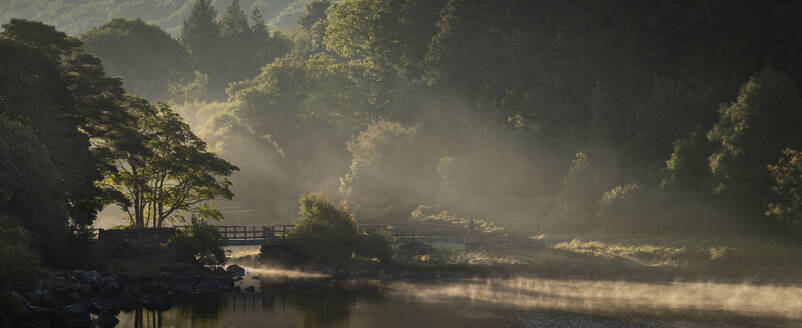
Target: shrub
{"x": 19, "y": 269}
{"x": 787, "y": 185}
{"x": 199, "y": 243}
{"x": 324, "y": 230}
{"x": 19, "y": 264}
{"x": 375, "y": 245}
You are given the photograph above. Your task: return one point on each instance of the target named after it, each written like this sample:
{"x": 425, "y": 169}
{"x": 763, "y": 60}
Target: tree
{"x": 29, "y": 188}
{"x": 172, "y": 175}
{"x": 324, "y": 230}
{"x": 315, "y": 12}
{"x": 390, "y": 174}
{"x": 235, "y": 22}
{"x": 200, "y": 242}
{"x": 200, "y": 32}
{"x": 786, "y": 205}
{"x": 749, "y": 134}
{"x": 147, "y": 58}
{"x": 64, "y": 96}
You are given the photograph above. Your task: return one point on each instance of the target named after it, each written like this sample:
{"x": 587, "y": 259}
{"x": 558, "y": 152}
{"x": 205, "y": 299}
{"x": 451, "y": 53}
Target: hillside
{"x": 75, "y": 17}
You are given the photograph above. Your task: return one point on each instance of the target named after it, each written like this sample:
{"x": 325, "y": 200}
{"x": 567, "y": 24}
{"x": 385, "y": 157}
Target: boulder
{"x": 83, "y": 290}
{"x": 110, "y": 289}
{"x": 73, "y": 315}
{"x": 41, "y": 297}
{"x": 85, "y": 276}
{"x": 235, "y": 270}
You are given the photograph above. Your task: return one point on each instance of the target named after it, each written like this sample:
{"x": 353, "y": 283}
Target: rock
{"x": 106, "y": 319}
{"x": 102, "y": 282}
{"x": 22, "y": 301}
{"x": 41, "y": 297}
{"x": 235, "y": 270}
{"x": 255, "y": 277}
{"x": 73, "y": 315}
{"x": 250, "y": 289}
{"x": 237, "y": 289}
{"x": 180, "y": 267}
{"x": 85, "y": 276}
{"x": 83, "y": 290}
{"x": 111, "y": 289}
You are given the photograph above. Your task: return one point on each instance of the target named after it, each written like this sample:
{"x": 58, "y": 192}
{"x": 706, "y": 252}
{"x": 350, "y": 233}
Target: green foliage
{"x": 324, "y": 230}
{"x": 375, "y": 245}
{"x": 19, "y": 263}
{"x": 786, "y": 176}
{"x": 200, "y": 32}
{"x": 173, "y": 173}
{"x": 191, "y": 92}
{"x": 750, "y": 133}
{"x": 147, "y": 58}
{"x": 315, "y": 12}
{"x": 389, "y": 174}
{"x": 19, "y": 268}
{"x": 28, "y": 180}
{"x": 200, "y": 243}
{"x": 62, "y": 95}
{"x": 687, "y": 170}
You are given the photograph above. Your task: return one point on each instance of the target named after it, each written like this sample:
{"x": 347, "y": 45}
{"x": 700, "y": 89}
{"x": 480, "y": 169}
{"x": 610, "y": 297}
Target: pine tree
{"x": 259, "y": 27}
{"x": 235, "y": 22}
{"x": 200, "y": 31}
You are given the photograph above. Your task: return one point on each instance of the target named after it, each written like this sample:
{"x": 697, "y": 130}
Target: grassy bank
{"x": 641, "y": 257}
{"x": 614, "y": 257}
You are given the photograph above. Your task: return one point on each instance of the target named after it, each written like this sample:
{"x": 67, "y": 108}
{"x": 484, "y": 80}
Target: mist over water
{"x": 291, "y": 298}
{"x": 617, "y": 297}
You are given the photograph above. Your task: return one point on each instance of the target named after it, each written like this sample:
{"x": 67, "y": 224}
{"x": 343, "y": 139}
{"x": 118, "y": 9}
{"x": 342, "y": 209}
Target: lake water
{"x": 292, "y": 299}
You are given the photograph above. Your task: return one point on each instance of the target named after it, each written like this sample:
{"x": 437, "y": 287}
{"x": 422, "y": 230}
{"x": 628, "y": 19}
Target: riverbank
{"x": 80, "y": 298}
{"x": 617, "y": 257}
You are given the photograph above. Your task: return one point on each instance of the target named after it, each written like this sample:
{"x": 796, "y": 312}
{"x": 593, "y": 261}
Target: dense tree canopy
{"x": 172, "y": 175}
{"x": 145, "y": 56}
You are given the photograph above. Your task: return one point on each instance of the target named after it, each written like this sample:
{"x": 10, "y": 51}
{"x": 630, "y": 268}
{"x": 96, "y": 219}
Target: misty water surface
{"x": 291, "y": 299}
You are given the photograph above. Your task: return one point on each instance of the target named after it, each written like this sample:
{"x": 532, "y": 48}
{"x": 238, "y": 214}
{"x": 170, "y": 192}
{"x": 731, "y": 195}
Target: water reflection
{"x": 320, "y": 302}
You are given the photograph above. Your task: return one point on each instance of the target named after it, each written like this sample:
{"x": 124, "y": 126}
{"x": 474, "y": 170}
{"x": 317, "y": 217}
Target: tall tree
{"x": 200, "y": 32}
{"x": 173, "y": 174}
{"x": 147, "y": 58}
{"x": 750, "y": 135}
{"x": 234, "y": 22}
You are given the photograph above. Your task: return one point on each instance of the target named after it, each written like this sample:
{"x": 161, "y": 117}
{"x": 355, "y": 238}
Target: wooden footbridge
{"x": 403, "y": 234}
{"x": 242, "y": 235}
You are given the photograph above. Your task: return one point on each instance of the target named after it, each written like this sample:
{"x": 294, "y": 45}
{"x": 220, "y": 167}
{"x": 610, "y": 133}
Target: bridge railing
{"x": 242, "y": 233}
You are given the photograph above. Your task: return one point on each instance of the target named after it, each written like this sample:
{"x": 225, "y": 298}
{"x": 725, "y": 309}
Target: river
{"x": 294, "y": 299}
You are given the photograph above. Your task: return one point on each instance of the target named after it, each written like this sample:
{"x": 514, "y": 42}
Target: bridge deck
{"x": 273, "y": 234}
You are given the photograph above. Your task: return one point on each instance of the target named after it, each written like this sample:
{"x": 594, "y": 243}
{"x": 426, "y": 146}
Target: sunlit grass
{"x": 645, "y": 254}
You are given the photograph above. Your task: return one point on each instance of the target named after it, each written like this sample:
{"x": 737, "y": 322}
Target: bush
{"x": 787, "y": 185}
{"x": 627, "y": 208}
{"x": 324, "y": 230}
{"x": 375, "y": 245}
{"x": 199, "y": 243}
{"x": 19, "y": 269}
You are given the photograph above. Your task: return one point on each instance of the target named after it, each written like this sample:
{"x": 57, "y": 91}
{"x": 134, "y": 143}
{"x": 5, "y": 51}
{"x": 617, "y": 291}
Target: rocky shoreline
{"x": 70, "y": 299}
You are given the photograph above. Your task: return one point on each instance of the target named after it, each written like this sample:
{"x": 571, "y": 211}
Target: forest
{"x": 533, "y": 118}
